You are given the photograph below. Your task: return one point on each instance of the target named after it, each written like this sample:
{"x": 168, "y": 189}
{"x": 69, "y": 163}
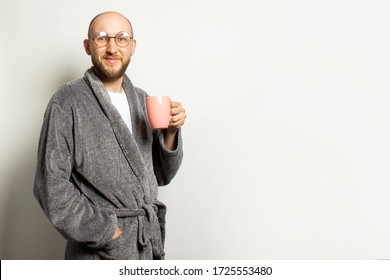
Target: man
{"x": 99, "y": 162}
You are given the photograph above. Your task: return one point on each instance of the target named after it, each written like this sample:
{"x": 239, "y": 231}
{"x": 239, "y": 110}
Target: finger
{"x": 177, "y": 111}
{"x": 178, "y": 120}
{"x": 175, "y": 104}
{"x": 178, "y": 114}
{"x": 175, "y": 125}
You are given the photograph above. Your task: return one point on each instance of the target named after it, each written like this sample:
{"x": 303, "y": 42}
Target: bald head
{"x": 112, "y": 19}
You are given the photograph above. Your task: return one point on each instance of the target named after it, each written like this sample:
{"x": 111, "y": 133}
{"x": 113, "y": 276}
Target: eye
{"x": 101, "y": 38}
{"x": 123, "y": 38}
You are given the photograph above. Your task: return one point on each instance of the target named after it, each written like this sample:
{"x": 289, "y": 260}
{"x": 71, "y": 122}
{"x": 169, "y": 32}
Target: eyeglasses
{"x": 122, "y": 39}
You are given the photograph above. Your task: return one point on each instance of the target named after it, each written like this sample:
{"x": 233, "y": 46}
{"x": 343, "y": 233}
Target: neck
{"x": 113, "y": 85}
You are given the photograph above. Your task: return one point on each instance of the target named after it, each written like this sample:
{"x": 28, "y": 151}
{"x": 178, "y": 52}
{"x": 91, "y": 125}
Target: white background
{"x": 287, "y": 140}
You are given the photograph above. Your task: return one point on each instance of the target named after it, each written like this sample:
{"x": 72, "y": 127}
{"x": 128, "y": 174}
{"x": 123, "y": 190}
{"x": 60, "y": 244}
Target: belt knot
{"x": 149, "y": 230}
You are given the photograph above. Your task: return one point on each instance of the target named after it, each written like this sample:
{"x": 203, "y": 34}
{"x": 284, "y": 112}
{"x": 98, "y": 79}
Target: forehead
{"x": 110, "y": 23}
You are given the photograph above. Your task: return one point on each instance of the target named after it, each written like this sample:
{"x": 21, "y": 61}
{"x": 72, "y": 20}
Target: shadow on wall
{"x": 26, "y": 232}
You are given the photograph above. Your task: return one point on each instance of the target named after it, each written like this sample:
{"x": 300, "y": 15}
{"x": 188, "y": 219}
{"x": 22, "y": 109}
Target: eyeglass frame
{"x": 109, "y": 37}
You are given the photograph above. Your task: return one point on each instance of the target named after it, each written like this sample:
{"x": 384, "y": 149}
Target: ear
{"x": 133, "y": 45}
{"x": 86, "y": 47}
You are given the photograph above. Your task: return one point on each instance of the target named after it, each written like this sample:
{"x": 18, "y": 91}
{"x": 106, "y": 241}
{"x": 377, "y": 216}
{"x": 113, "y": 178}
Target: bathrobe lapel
{"x": 126, "y": 140}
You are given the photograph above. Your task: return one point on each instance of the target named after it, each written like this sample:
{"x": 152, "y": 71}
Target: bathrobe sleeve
{"x": 71, "y": 213}
{"x": 166, "y": 163}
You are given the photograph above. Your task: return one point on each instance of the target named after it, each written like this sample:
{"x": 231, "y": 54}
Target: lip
{"x": 111, "y": 60}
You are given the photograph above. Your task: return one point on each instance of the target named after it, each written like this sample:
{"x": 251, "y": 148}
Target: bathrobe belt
{"x": 148, "y": 226}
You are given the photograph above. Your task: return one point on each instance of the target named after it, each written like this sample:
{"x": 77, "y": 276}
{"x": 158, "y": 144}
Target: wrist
{"x": 170, "y": 136}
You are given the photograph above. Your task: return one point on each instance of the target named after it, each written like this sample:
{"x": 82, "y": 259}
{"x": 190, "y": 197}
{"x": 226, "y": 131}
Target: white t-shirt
{"x": 119, "y": 100}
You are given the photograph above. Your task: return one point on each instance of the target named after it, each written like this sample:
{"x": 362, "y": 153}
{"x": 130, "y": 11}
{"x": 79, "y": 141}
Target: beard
{"x": 108, "y": 73}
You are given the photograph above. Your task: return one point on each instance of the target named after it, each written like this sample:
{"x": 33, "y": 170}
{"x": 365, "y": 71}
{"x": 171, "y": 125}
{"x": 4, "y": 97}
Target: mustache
{"x": 112, "y": 57}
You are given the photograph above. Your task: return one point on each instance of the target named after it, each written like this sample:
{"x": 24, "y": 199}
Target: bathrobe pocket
{"x": 125, "y": 246}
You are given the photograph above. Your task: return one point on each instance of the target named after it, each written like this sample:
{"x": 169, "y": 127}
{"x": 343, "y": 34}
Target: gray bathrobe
{"x": 93, "y": 175}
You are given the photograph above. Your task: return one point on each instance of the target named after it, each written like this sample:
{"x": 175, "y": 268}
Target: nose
{"x": 111, "y": 46}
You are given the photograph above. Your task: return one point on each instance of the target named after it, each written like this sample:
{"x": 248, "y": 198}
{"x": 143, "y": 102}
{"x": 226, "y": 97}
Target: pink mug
{"x": 158, "y": 109}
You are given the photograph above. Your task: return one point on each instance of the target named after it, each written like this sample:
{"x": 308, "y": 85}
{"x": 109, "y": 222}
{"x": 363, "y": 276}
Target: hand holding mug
{"x": 178, "y": 116}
